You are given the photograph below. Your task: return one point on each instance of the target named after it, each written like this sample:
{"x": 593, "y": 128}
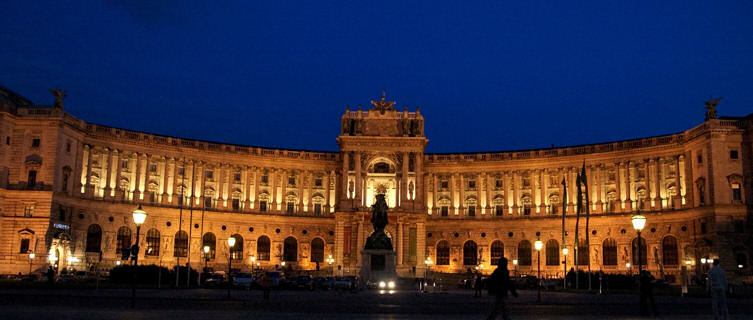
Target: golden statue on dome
{"x": 383, "y": 105}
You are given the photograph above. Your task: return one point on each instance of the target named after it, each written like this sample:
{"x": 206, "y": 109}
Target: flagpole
{"x": 180, "y": 222}
{"x": 578, "y": 208}
{"x": 564, "y": 243}
{"x": 588, "y": 216}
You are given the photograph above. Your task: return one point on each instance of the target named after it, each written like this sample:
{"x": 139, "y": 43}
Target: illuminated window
{"x": 209, "y": 240}
{"x": 152, "y": 243}
{"x": 737, "y": 194}
{"x": 236, "y": 252}
{"x": 180, "y": 247}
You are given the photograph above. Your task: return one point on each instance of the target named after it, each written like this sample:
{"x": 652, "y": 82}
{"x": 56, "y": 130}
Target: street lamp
{"x": 253, "y": 263}
{"x": 515, "y": 264}
{"x": 330, "y": 261}
{"x": 564, "y": 267}
{"x": 230, "y": 245}
{"x": 31, "y": 258}
{"x": 206, "y": 257}
{"x": 538, "y": 245}
{"x": 703, "y": 260}
{"x": 428, "y": 263}
{"x": 139, "y": 216}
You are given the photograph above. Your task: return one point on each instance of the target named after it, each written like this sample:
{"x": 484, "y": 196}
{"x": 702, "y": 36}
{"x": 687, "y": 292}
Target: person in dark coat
{"x": 477, "y": 285}
{"x": 50, "y": 276}
{"x": 499, "y": 284}
{"x": 647, "y": 293}
{"x": 266, "y": 283}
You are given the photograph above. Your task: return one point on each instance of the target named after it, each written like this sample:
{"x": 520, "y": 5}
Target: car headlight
{"x": 391, "y": 284}
{"x": 382, "y": 284}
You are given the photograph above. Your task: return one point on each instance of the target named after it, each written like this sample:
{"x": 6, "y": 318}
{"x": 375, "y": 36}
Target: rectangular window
{"x": 291, "y": 181}
{"x": 733, "y": 154}
{"x": 210, "y": 174}
{"x": 7, "y": 140}
{"x": 471, "y": 211}
{"x": 318, "y": 182}
{"x": 208, "y": 202}
{"x": 124, "y": 164}
{"x": 498, "y": 210}
{"x": 737, "y": 194}
{"x": 35, "y": 143}
{"x": 445, "y": 211}
{"x": 68, "y": 147}
{"x": 265, "y": 179}
{"x": 444, "y": 184}
{"x": 526, "y": 210}
{"x": 262, "y": 206}
{"x": 291, "y": 207}
{"x": 237, "y": 177}
{"x": 181, "y": 171}
{"x": 24, "y": 246}
{"x": 153, "y": 168}
{"x": 318, "y": 209}
{"x": 471, "y": 184}
{"x": 236, "y": 204}
{"x": 703, "y": 227}
{"x": 498, "y": 184}
{"x": 28, "y": 210}
{"x": 699, "y": 157}
{"x": 32, "y": 180}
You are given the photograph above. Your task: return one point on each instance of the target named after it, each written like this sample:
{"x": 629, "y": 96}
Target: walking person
{"x": 499, "y": 284}
{"x": 684, "y": 281}
{"x": 477, "y": 285}
{"x": 266, "y": 283}
{"x": 717, "y": 284}
{"x": 647, "y": 293}
{"x": 50, "y": 277}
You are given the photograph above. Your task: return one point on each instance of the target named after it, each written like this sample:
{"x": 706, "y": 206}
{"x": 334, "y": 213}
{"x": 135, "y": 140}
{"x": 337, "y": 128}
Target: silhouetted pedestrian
{"x": 499, "y": 284}
{"x": 266, "y": 283}
{"x": 684, "y": 280}
{"x": 717, "y": 284}
{"x": 647, "y": 293}
{"x": 50, "y": 276}
{"x": 477, "y": 286}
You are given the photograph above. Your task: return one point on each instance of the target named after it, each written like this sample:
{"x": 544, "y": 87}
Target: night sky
{"x": 490, "y": 76}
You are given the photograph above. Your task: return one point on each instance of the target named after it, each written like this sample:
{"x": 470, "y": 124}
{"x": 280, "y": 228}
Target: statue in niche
{"x": 711, "y": 108}
{"x": 410, "y": 190}
{"x": 379, "y": 239}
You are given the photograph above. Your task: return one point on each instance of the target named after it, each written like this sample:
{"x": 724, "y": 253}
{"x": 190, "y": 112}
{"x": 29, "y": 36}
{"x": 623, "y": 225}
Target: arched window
{"x": 552, "y": 253}
{"x": 497, "y": 252}
{"x": 524, "y": 253}
{"x": 94, "y": 238}
{"x": 290, "y": 249}
{"x": 609, "y": 252}
{"x": 262, "y": 248}
{"x": 152, "y": 243}
{"x": 669, "y": 251}
{"x": 180, "y": 245}
{"x": 381, "y": 167}
{"x": 443, "y": 253}
{"x": 642, "y": 251}
{"x": 236, "y": 252}
{"x": 317, "y": 250}
{"x": 582, "y": 253}
{"x": 211, "y": 241}
{"x": 470, "y": 254}
{"x": 124, "y": 239}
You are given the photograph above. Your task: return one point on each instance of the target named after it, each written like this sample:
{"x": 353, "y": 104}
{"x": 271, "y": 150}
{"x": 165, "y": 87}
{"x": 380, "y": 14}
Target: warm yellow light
{"x": 117, "y": 263}
{"x": 139, "y": 216}
{"x": 639, "y": 222}
{"x": 538, "y": 245}
{"x": 32, "y": 255}
{"x": 428, "y": 261}
{"x": 206, "y": 249}
{"x": 258, "y": 264}
{"x": 253, "y": 259}
{"x": 703, "y": 260}
{"x": 282, "y": 263}
{"x": 627, "y": 265}
{"x": 231, "y": 242}
{"x": 515, "y": 261}
{"x": 565, "y": 251}
{"x": 688, "y": 262}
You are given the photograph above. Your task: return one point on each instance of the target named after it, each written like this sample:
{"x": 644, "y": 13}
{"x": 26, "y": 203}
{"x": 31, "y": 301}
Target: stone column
{"x": 255, "y": 191}
{"x": 515, "y": 192}
{"x": 137, "y": 177}
{"x": 300, "y": 181}
{"x": 87, "y": 179}
{"x": 660, "y": 191}
{"x": 399, "y": 242}
{"x": 359, "y": 180}
{"x": 404, "y": 181}
{"x": 599, "y": 187}
{"x": 420, "y": 185}
{"x": 346, "y": 165}
{"x": 147, "y": 172}
{"x": 359, "y": 242}
{"x": 481, "y": 203}
{"x": 630, "y": 185}
{"x": 339, "y": 243}
{"x": 436, "y": 192}
{"x": 489, "y": 185}
{"x": 169, "y": 173}
{"x": 462, "y": 184}
{"x": 678, "y": 187}
{"x": 116, "y": 179}
{"x": 453, "y": 193}
{"x": 647, "y": 201}
{"x": 618, "y": 187}
{"x": 420, "y": 248}
{"x": 107, "y": 193}
{"x": 284, "y": 190}
{"x": 325, "y": 185}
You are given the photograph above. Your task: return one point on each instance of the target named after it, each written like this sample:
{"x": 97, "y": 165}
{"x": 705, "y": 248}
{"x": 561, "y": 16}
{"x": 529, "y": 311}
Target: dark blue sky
{"x": 498, "y": 75}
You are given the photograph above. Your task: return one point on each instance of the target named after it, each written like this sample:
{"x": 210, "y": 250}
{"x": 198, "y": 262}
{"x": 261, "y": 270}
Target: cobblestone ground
{"x": 213, "y": 304}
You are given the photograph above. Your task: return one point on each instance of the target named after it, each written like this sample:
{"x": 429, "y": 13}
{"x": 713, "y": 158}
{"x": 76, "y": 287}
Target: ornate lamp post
{"x": 639, "y": 222}
{"x": 564, "y": 267}
{"x": 230, "y": 245}
{"x": 428, "y": 263}
{"x": 206, "y": 259}
{"x": 515, "y": 263}
{"x": 330, "y": 261}
{"x": 139, "y": 216}
{"x": 538, "y": 245}
{"x": 31, "y": 258}
{"x": 253, "y": 263}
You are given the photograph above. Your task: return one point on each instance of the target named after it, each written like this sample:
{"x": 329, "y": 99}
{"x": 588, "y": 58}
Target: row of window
{"x": 670, "y": 255}
{"x": 180, "y": 245}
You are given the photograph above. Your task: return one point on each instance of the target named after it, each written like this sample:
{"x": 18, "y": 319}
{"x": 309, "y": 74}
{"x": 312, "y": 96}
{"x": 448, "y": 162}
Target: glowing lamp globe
{"x": 639, "y": 222}
{"x": 565, "y": 251}
{"x": 139, "y": 216}
{"x": 32, "y": 255}
{"x": 206, "y": 249}
{"x": 538, "y": 245}
{"x": 231, "y": 242}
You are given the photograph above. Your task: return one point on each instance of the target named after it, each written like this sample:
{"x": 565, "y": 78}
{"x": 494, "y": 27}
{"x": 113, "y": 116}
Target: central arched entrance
{"x": 381, "y": 179}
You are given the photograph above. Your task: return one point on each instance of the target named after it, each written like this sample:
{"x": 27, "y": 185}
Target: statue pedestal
{"x": 378, "y": 265}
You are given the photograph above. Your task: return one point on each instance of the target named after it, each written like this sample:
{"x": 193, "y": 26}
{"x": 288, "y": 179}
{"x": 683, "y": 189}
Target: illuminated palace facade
{"x": 68, "y": 187}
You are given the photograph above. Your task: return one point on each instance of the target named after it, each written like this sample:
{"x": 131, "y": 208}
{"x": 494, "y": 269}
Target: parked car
{"x": 304, "y": 282}
{"x": 214, "y": 280}
{"x": 527, "y": 282}
{"x": 323, "y": 282}
{"x": 244, "y": 280}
